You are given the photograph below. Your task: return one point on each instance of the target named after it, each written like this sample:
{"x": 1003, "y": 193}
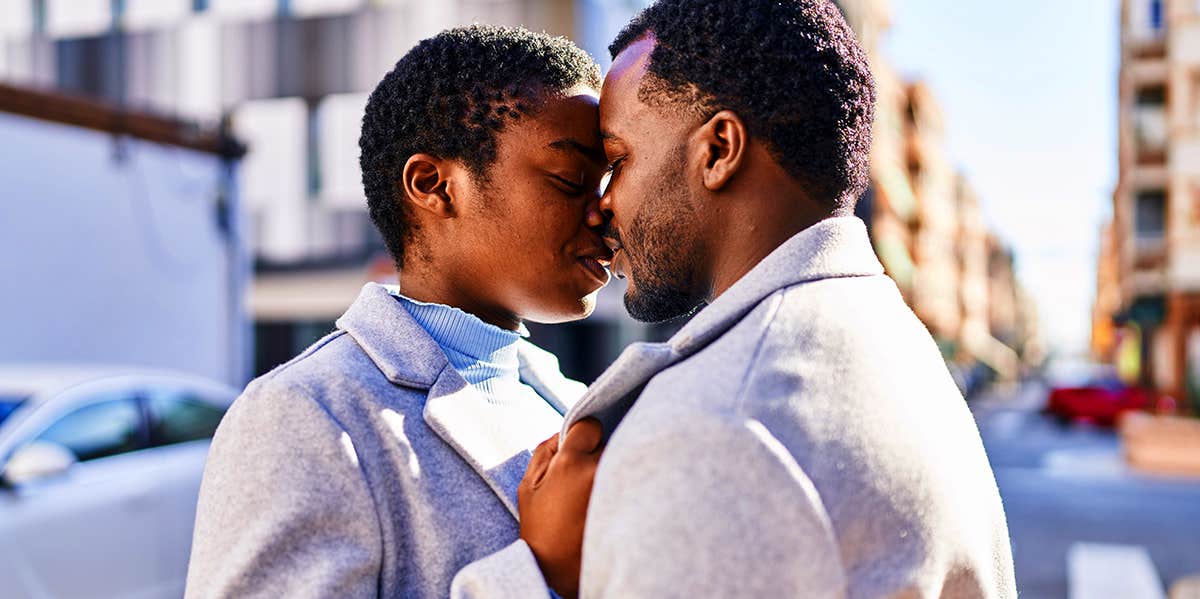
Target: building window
{"x": 1150, "y": 123}
{"x": 1156, "y": 15}
{"x": 90, "y": 66}
{"x": 1150, "y": 215}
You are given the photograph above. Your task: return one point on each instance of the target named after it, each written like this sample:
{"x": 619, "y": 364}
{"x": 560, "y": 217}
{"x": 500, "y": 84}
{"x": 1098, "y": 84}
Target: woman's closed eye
{"x": 568, "y": 185}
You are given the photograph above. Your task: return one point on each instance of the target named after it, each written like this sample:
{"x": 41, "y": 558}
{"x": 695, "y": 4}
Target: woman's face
{"x": 524, "y": 236}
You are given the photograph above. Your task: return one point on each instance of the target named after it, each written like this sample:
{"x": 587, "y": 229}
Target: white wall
{"x": 16, "y": 18}
{"x": 115, "y": 260}
{"x": 274, "y": 174}
{"x": 339, "y": 124}
{"x": 77, "y": 18}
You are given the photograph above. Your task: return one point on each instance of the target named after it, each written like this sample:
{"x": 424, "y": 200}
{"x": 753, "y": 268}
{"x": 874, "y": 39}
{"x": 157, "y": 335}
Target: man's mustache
{"x": 609, "y": 231}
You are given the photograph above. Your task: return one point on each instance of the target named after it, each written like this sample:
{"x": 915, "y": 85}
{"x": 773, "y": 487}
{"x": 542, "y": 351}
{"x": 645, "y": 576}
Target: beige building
{"x": 926, "y": 223}
{"x": 935, "y": 238}
{"x": 1155, "y": 232}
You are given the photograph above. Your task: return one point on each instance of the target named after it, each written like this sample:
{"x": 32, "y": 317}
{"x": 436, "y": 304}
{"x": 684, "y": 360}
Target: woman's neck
{"x": 421, "y": 284}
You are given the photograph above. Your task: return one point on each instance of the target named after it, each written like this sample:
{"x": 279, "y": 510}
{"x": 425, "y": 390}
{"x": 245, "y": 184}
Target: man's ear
{"x": 428, "y": 184}
{"x": 724, "y": 138}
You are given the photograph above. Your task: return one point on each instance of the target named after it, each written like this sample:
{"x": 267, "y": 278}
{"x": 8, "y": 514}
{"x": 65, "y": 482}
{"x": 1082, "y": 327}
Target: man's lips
{"x": 616, "y": 265}
{"x": 613, "y": 243}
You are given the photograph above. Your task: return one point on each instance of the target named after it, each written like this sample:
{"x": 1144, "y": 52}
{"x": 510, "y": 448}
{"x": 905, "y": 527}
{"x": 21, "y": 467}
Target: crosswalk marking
{"x": 1098, "y": 571}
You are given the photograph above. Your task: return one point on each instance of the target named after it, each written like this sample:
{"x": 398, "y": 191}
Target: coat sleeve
{"x": 284, "y": 508}
{"x": 706, "y": 506}
{"x": 511, "y": 573}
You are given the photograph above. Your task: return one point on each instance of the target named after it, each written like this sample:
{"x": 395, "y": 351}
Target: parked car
{"x": 100, "y": 470}
{"x": 1093, "y": 394}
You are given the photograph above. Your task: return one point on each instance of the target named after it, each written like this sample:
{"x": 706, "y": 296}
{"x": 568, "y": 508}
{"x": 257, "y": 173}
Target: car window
{"x": 179, "y": 416}
{"x": 8, "y": 405}
{"x": 106, "y": 428}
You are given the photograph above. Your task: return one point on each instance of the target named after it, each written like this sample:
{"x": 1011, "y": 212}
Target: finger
{"x": 540, "y": 460}
{"x": 549, "y": 445}
{"x": 583, "y": 436}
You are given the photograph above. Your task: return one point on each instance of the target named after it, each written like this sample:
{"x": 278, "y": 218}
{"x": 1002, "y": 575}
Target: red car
{"x": 1098, "y": 404}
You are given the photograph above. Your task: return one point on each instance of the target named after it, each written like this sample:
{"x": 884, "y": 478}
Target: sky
{"x": 1028, "y": 89}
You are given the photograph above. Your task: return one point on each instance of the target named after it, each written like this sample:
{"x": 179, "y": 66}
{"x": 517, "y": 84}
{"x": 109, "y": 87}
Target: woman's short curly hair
{"x": 791, "y": 69}
{"x": 449, "y": 96}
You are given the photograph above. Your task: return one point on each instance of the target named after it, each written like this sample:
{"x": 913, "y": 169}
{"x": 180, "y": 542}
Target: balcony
{"x": 1146, "y": 29}
{"x": 1149, "y": 243}
{"x": 1150, "y": 134}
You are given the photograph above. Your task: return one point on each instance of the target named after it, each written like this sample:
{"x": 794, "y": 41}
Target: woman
{"x": 386, "y": 457}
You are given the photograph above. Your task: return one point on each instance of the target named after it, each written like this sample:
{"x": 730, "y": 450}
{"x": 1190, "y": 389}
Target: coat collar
{"x": 402, "y": 350}
{"x": 836, "y": 247}
{"x": 833, "y": 248}
{"x": 406, "y": 354}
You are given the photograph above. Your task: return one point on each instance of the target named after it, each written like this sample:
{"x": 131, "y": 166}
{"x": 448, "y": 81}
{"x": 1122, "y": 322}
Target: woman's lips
{"x": 595, "y": 267}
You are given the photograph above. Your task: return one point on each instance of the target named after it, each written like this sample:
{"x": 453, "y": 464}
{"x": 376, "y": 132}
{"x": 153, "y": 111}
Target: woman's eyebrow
{"x": 568, "y": 144}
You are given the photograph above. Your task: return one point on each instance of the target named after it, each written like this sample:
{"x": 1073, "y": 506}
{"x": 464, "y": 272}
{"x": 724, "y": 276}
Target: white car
{"x": 100, "y": 469}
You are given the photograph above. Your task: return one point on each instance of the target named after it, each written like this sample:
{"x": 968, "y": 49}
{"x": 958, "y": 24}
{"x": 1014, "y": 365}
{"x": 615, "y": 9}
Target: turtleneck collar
{"x": 484, "y": 354}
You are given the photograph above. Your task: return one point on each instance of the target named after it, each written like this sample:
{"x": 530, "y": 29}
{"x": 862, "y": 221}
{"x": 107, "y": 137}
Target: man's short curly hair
{"x": 449, "y": 97}
{"x": 791, "y": 69}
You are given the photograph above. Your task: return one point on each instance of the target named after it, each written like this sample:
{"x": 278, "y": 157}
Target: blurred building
{"x": 1108, "y": 297}
{"x": 927, "y": 226}
{"x": 293, "y": 76}
{"x": 935, "y": 296}
{"x": 1150, "y": 268}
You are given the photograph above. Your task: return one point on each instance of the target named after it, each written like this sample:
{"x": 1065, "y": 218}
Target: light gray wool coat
{"x": 800, "y": 437}
{"x": 367, "y": 467}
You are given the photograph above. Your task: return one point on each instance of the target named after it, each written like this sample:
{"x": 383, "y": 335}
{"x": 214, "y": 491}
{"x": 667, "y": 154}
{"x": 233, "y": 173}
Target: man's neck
{"x": 746, "y": 244}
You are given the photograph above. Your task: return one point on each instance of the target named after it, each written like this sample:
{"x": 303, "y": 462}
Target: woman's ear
{"x": 427, "y": 184}
{"x": 724, "y": 139}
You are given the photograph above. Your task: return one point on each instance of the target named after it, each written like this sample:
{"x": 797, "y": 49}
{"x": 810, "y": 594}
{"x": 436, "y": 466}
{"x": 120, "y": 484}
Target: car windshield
{"x": 8, "y": 405}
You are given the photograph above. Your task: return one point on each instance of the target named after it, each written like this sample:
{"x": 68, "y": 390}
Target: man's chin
{"x": 658, "y": 307}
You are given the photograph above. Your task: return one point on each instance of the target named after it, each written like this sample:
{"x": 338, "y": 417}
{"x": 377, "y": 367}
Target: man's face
{"x": 656, "y": 222}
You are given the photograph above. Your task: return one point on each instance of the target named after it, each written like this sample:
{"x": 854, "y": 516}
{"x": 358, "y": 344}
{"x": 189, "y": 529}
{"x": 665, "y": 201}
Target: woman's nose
{"x": 594, "y": 214}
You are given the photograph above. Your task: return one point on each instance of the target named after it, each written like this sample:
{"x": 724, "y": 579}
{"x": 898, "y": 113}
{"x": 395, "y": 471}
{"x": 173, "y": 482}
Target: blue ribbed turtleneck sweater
{"x": 484, "y": 354}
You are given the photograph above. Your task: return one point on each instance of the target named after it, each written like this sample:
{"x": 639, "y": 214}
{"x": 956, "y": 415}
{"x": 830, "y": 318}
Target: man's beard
{"x": 663, "y": 282}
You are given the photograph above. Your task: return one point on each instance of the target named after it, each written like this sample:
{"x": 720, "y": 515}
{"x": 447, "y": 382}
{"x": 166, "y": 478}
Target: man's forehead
{"x": 619, "y": 95}
{"x": 633, "y": 60}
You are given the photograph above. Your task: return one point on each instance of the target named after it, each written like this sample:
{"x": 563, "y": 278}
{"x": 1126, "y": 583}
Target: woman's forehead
{"x": 562, "y": 124}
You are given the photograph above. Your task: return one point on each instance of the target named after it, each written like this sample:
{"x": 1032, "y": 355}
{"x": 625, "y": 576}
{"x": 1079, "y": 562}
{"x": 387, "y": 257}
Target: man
{"x": 801, "y": 436}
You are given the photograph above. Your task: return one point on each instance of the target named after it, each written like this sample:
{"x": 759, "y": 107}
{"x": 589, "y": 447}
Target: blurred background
{"x": 181, "y": 211}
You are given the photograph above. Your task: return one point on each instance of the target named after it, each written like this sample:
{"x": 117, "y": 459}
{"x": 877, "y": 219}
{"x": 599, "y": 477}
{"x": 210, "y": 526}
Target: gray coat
{"x": 800, "y": 437}
{"x": 366, "y": 467}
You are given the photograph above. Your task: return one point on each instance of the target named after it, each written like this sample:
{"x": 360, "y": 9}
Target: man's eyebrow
{"x": 568, "y": 145}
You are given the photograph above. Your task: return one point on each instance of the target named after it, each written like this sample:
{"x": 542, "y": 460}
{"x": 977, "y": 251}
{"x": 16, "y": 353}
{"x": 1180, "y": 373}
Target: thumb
{"x": 583, "y": 436}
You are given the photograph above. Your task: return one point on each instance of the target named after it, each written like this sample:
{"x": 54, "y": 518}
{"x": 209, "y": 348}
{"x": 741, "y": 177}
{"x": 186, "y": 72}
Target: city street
{"x": 1065, "y": 484}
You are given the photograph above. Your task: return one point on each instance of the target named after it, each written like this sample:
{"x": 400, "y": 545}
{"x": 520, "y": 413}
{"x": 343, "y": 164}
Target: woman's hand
{"x": 553, "y": 498}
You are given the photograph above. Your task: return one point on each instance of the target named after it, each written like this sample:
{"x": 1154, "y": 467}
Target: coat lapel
{"x": 540, "y": 370}
{"x": 488, "y": 438}
{"x": 614, "y": 392}
{"x": 494, "y": 440}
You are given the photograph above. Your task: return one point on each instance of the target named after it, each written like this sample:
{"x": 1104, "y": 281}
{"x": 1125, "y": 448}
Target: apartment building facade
{"x": 1148, "y": 288}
